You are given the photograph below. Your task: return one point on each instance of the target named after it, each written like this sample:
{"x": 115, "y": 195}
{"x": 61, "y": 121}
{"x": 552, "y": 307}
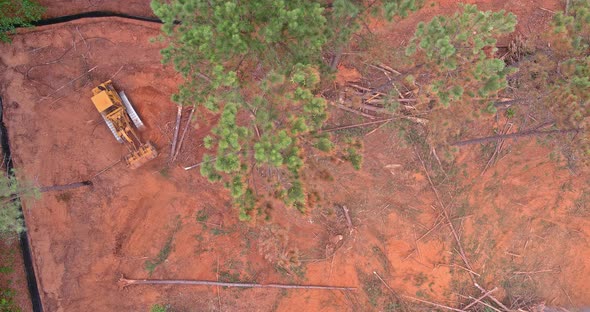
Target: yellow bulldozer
{"x": 119, "y": 114}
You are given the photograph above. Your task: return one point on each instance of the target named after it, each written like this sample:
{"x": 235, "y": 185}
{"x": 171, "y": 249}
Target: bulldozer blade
{"x": 142, "y": 155}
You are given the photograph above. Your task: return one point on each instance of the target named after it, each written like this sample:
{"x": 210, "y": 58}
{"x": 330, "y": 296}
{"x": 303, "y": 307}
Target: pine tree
{"x": 458, "y": 74}
{"x": 11, "y": 191}
{"x": 17, "y": 13}
{"x": 258, "y": 64}
{"x": 569, "y": 97}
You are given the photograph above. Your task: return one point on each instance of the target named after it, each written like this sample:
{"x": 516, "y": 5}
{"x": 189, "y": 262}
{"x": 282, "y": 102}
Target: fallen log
{"x": 65, "y": 186}
{"x": 516, "y": 135}
{"x": 125, "y": 282}
{"x": 176, "y": 129}
{"x": 190, "y": 116}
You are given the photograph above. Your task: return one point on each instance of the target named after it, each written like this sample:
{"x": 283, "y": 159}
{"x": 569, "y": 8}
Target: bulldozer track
{"x": 131, "y": 111}
{"x": 112, "y": 128}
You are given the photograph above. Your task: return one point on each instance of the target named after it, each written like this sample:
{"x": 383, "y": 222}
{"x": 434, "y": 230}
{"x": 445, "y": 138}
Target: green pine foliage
{"x": 258, "y": 65}
{"x": 571, "y": 84}
{"x": 573, "y": 29}
{"x": 461, "y": 47}
{"x": 456, "y": 76}
{"x": 346, "y": 16}
{"x": 215, "y": 37}
{"x": 17, "y": 13}
{"x": 11, "y": 220}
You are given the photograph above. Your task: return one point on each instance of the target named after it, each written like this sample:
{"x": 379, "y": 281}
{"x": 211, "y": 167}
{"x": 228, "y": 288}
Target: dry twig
{"x": 354, "y": 111}
{"x": 433, "y": 304}
{"x": 479, "y": 300}
{"x": 445, "y": 213}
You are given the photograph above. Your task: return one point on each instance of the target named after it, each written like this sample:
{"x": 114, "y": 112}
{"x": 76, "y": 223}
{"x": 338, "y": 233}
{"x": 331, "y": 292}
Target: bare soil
{"x": 524, "y": 223}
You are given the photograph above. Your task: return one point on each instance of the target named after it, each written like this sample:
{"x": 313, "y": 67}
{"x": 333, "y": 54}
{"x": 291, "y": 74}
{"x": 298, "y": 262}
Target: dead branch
{"x": 483, "y": 291}
{"x": 184, "y": 131}
{"x": 433, "y": 304}
{"x": 199, "y": 164}
{"x": 533, "y": 272}
{"x": 342, "y": 107}
{"x": 124, "y": 282}
{"x": 83, "y": 39}
{"x": 176, "y": 128}
{"x": 357, "y": 125}
{"x": 360, "y": 87}
{"x": 381, "y": 101}
{"x": 550, "y": 11}
{"x": 105, "y": 169}
{"x": 364, "y": 124}
{"x": 454, "y": 265}
{"x": 377, "y": 128}
{"x": 478, "y": 300}
{"x": 514, "y": 136}
{"x": 336, "y": 59}
{"x": 421, "y": 121}
{"x": 436, "y": 224}
{"x": 116, "y": 73}
{"x": 445, "y": 214}
{"x": 393, "y": 71}
{"x": 498, "y": 149}
{"x": 348, "y": 220}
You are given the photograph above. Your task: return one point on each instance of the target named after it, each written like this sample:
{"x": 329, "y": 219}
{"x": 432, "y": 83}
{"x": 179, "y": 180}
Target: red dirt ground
{"x": 83, "y": 240}
{"x": 67, "y": 7}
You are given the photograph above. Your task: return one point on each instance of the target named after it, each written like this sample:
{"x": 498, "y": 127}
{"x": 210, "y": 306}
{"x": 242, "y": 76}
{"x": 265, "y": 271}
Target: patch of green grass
{"x": 382, "y": 258}
{"x": 159, "y": 308}
{"x": 217, "y": 231}
{"x": 421, "y": 294}
{"x": 229, "y": 277}
{"x": 7, "y": 294}
{"x": 393, "y": 307}
{"x": 202, "y": 216}
{"x": 420, "y": 279}
{"x": 372, "y": 288}
{"x": 165, "y": 172}
{"x": 7, "y": 303}
{"x": 299, "y": 270}
{"x": 150, "y": 265}
{"x": 199, "y": 237}
{"x": 581, "y": 207}
{"x": 6, "y": 269}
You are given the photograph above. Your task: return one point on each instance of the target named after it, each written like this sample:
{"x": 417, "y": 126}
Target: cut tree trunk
{"x": 124, "y": 282}
{"x": 176, "y": 128}
{"x": 64, "y": 187}
{"x": 516, "y": 135}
